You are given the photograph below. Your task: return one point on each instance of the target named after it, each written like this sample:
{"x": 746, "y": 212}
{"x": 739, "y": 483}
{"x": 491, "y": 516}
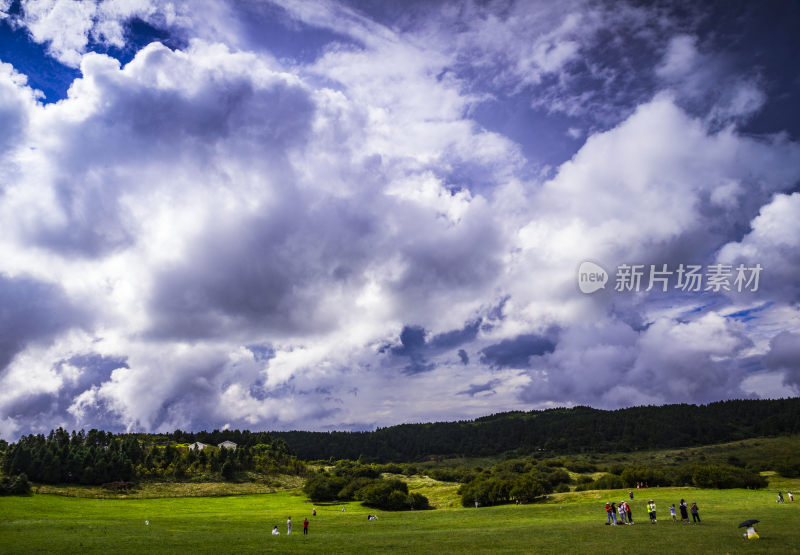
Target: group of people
{"x": 622, "y": 514}
{"x": 780, "y": 496}
{"x": 276, "y": 532}
{"x": 685, "y": 510}
{"x": 619, "y": 514}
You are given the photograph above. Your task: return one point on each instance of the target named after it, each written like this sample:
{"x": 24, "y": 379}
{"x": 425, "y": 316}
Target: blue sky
{"x": 341, "y": 215}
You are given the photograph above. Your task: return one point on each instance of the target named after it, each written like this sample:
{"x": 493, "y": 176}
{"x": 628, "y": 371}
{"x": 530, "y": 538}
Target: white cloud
{"x": 63, "y": 24}
{"x": 247, "y": 241}
{"x": 774, "y": 243}
{"x": 680, "y": 59}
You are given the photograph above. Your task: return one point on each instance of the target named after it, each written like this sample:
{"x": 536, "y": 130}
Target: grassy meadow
{"x": 569, "y": 522}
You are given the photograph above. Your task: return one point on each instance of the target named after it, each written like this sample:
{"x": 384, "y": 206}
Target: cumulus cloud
{"x": 212, "y": 234}
{"x": 774, "y": 243}
{"x": 705, "y": 84}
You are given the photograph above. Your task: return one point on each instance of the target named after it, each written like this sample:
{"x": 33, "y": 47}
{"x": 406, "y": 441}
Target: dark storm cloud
{"x": 474, "y": 389}
{"x": 412, "y": 341}
{"x": 784, "y": 354}
{"x": 516, "y": 352}
{"x": 456, "y": 338}
{"x": 414, "y": 345}
{"x": 32, "y": 311}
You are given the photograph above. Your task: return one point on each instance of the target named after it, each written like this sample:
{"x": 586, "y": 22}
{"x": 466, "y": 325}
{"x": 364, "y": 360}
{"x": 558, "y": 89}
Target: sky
{"x": 321, "y": 215}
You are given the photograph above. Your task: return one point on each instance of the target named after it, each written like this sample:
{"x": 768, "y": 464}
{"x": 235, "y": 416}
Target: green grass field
{"x": 565, "y": 523}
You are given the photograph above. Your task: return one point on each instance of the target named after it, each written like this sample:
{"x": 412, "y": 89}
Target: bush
{"x": 323, "y": 487}
{"x": 559, "y": 477}
{"x": 496, "y": 490}
{"x": 15, "y": 485}
{"x": 726, "y": 477}
{"x": 390, "y": 468}
{"x": 608, "y": 481}
{"x": 562, "y": 488}
{"x": 418, "y": 501}
{"x": 391, "y": 495}
{"x": 350, "y": 489}
{"x": 649, "y": 475}
{"x": 582, "y": 466}
{"x": 789, "y": 467}
{"x": 444, "y": 474}
{"x": 616, "y": 468}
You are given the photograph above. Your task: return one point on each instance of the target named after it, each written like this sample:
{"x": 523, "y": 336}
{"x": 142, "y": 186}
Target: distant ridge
{"x": 569, "y": 430}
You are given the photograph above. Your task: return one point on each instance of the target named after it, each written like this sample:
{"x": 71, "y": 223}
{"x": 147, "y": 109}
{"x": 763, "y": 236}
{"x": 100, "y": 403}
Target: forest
{"x": 562, "y": 430}
{"x": 97, "y": 457}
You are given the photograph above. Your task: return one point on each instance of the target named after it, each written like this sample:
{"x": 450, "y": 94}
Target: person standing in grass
{"x": 651, "y": 510}
{"x": 613, "y": 514}
{"x": 695, "y": 513}
{"x": 608, "y": 513}
{"x": 622, "y": 514}
{"x": 672, "y": 512}
{"x": 791, "y": 497}
{"x": 289, "y": 526}
{"x": 684, "y": 512}
{"x": 305, "y": 526}
{"x": 629, "y": 512}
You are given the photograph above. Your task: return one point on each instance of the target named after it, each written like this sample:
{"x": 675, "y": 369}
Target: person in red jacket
{"x": 305, "y": 526}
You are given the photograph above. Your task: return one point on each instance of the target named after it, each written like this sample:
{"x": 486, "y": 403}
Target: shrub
{"x": 15, "y": 485}
{"x": 391, "y": 495}
{"x": 789, "y": 467}
{"x": 725, "y": 477}
{"x": 559, "y": 477}
{"x": 616, "y": 468}
{"x": 323, "y": 487}
{"x": 418, "y": 501}
{"x": 445, "y": 474}
{"x": 608, "y": 481}
{"x": 582, "y": 466}
{"x": 649, "y": 475}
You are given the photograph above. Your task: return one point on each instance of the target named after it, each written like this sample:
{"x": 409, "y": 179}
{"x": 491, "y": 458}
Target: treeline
{"x": 98, "y": 457}
{"x": 350, "y": 480}
{"x": 575, "y": 430}
{"x": 525, "y": 480}
{"x": 718, "y": 476}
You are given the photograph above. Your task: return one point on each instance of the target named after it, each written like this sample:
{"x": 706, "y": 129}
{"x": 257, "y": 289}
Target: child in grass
{"x": 672, "y": 512}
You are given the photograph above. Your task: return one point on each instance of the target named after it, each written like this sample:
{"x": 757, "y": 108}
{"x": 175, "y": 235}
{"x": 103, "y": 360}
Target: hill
{"x": 574, "y": 430}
